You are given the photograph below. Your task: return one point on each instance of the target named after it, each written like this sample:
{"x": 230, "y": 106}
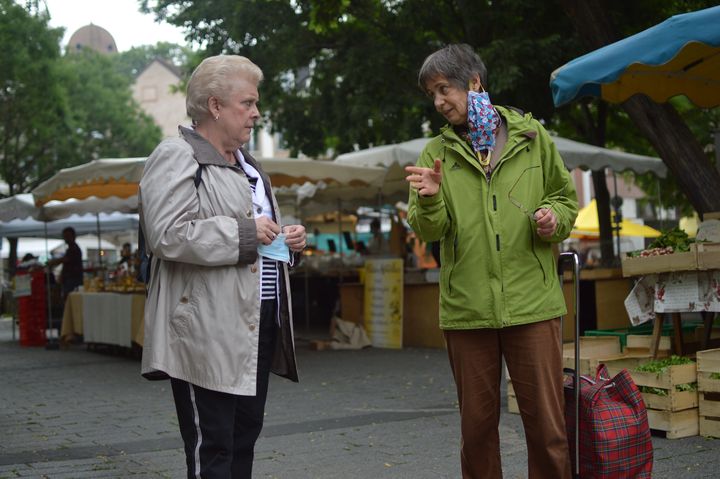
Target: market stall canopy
{"x": 22, "y": 206}
{"x": 680, "y": 56}
{"x": 104, "y": 178}
{"x": 18, "y": 207}
{"x": 83, "y": 224}
{"x": 574, "y": 153}
{"x": 118, "y": 178}
{"x": 587, "y": 225}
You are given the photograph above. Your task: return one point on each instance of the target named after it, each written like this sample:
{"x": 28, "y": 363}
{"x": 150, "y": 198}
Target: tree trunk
{"x": 661, "y": 124}
{"x": 602, "y": 200}
{"x": 697, "y": 177}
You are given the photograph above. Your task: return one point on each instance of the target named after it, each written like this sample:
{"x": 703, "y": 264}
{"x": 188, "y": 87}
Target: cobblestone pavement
{"x": 369, "y": 414}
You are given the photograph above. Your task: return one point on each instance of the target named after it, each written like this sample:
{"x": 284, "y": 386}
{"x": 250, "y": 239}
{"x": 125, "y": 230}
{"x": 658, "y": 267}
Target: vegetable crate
{"x": 638, "y": 266}
{"x": 671, "y": 399}
{"x": 708, "y": 255}
{"x": 708, "y": 367}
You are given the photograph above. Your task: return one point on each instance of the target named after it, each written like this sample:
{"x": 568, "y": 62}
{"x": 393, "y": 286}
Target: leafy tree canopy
{"x": 60, "y": 111}
{"x": 132, "y": 62}
{"x": 341, "y": 74}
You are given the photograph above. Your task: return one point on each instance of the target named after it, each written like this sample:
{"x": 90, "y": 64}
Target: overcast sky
{"x": 121, "y": 18}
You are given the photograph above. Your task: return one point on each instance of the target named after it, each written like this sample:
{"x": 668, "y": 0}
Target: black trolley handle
{"x": 567, "y": 259}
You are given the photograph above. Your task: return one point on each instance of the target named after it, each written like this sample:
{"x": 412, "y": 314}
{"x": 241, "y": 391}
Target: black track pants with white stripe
{"x": 219, "y": 429}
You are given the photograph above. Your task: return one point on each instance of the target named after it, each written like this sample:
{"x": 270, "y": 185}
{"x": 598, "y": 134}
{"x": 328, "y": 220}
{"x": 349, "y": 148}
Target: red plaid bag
{"x": 615, "y": 437}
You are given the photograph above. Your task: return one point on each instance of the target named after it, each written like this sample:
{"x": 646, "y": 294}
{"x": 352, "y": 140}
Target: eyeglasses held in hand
{"x": 518, "y": 204}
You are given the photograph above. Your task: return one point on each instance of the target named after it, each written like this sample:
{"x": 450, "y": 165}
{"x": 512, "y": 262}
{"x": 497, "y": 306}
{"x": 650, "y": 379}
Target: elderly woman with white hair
{"x": 218, "y": 317}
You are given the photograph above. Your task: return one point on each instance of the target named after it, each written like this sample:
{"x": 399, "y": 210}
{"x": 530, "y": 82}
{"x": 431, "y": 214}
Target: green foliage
{"x": 677, "y": 238}
{"x": 342, "y": 74}
{"x": 33, "y": 105}
{"x": 132, "y": 62}
{"x": 60, "y": 111}
{"x": 106, "y": 120}
{"x": 661, "y": 365}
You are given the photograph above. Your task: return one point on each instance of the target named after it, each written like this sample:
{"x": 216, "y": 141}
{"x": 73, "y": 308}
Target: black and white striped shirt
{"x": 268, "y": 267}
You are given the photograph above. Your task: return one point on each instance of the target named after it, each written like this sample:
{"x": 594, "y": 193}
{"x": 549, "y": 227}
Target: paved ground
{"x": 356, "y": 414}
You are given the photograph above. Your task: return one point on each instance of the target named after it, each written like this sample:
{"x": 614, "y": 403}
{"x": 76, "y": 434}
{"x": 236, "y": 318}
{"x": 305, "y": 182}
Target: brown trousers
{"x": 534, "y": 360}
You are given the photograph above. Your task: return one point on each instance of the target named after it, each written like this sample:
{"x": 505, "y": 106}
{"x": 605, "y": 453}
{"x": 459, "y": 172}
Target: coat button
{"x": 253, "y": 269}
{"x": 249, "y": 214}
{"x": 252, "y": 327}
{"x": 184, "y": 300}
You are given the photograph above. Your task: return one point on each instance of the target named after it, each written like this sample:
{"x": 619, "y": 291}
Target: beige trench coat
{"x": 202, "y": 312}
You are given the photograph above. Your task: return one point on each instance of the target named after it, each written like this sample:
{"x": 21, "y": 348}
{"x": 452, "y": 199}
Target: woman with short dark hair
{"x": 492, "y": 188}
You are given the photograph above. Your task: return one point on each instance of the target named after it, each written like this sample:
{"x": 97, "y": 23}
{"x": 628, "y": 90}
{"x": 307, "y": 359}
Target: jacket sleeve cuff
{"x": 247, "y": 235}
{"x": 429, "y": 200}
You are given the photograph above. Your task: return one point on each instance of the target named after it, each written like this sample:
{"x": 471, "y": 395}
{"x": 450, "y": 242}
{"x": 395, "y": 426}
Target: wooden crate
{"x": 677, "y": 412}
{"x": 593, "y": 351}
{"x": 709, "y": 427}
{"x": 628, "y": 360}
{"x": 638, "y": 266}
{"x": 641, "y": 343}
{"x": 708, "y": 364}
{"x": 708, "y": 255}
{"x": 676, "y": 425}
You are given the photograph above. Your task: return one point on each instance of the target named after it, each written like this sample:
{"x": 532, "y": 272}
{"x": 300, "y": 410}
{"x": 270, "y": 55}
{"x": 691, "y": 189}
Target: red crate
{"x": 32, "y": 312}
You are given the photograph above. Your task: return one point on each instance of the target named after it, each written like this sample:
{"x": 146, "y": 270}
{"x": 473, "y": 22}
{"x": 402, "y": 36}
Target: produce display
{"x": 659, "y": 366}
{"x": 671, "y": 241}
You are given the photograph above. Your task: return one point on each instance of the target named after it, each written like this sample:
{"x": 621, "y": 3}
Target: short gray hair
{"x": 458, "y": 63}
{"x": 213, "y": 77}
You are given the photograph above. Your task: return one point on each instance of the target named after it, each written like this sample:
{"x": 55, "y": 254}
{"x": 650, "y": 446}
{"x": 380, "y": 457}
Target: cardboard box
{"x": 664, "y": 263}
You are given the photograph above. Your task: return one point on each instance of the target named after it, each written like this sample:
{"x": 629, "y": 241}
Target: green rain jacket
{"x": 495, "y": 270}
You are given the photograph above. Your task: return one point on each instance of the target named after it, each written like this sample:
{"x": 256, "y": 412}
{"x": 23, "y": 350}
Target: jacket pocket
{"x": 538, "y": 257}
{"x": 448, "y": 254}
{"x": 184, "y": 311}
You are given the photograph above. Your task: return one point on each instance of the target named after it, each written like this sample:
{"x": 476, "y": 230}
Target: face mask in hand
{"x": 276, "y": 250}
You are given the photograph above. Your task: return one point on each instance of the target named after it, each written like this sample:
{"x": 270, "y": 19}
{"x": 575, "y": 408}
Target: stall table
{"x": 656, "y": 296}
{"x": 106, "y": 318}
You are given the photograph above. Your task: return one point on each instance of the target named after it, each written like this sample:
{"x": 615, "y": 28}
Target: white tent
{"x": 574, "y": 154}
{"x": 83, "y": 224}
{"x": 303, "y": 185}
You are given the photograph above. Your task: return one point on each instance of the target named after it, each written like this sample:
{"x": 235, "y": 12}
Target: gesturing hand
{"x": 425, "y": 180}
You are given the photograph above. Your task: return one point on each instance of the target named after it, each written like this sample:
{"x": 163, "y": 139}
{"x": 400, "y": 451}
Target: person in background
{"x": 492, "y": 188}
{"x": 126, "y": 255}
{"x": 71, "y": 276}
{"x": 126, "y": 263}
{"x": 218, "y": 317}
{"x": 377, "y": 244}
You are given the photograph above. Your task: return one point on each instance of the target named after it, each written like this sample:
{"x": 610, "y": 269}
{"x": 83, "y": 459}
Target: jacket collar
{"x": 205, "y": 153}
{"x": 517, "y": 123}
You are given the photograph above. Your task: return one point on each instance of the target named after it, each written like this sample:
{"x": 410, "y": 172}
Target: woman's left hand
{"x": 546, "y": 222}
{"x": 295, "y": 237}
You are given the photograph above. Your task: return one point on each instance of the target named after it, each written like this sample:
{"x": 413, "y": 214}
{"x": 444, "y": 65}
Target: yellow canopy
{"x": 587, "y": 224}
